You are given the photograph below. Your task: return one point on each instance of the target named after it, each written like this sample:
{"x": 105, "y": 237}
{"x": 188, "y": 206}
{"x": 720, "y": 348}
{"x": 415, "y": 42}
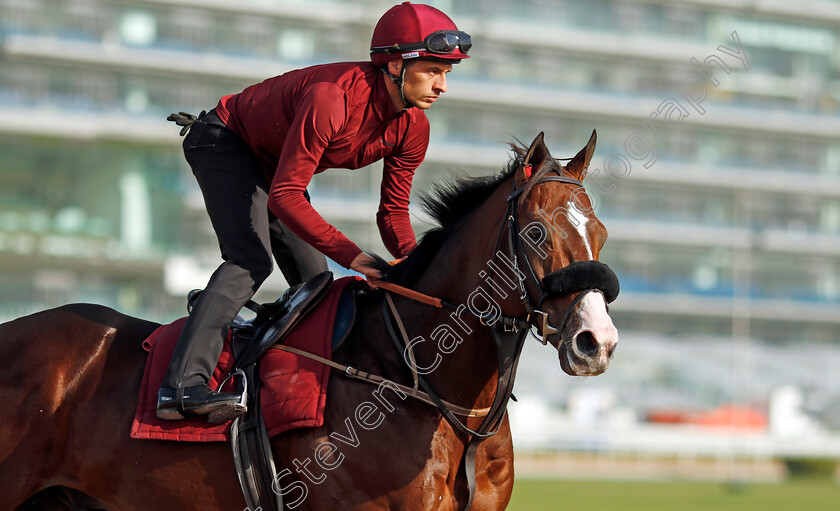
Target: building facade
{"x": 718, "y": 178}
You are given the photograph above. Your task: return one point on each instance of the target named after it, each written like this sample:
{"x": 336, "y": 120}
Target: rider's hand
{"x": 184, "y": 119}
{"x": 362, "y": 264}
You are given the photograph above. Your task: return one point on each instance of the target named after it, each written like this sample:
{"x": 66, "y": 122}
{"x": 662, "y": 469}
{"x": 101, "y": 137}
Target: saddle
{"x": 252, "y": 454}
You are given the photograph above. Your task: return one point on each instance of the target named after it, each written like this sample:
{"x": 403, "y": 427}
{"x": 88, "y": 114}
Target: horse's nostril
{"x": 587, "y": 344}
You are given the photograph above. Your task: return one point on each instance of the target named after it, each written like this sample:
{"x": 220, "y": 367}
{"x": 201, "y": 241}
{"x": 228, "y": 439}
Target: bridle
{"x": 601, "y": 277}
{"x": 509, "y": 332}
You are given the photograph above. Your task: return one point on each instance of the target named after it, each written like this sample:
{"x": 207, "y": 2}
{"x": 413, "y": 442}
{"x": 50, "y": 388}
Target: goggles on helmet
{"x": 442, "y": 42}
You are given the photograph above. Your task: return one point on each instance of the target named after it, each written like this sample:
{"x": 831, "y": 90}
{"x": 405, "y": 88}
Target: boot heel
{"x": 169, "y": 415}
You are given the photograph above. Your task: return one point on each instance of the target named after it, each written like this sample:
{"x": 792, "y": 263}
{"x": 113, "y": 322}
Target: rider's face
{"x": 424, "y": 82}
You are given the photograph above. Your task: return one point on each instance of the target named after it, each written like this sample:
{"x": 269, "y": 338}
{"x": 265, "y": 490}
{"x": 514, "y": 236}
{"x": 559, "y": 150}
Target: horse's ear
{"x": 534, "y": 159}
{"x": 577, "y": 167}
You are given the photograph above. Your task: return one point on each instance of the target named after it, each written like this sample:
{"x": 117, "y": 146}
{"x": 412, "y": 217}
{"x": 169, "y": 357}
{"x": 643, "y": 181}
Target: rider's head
{"x": 416, "y": 32}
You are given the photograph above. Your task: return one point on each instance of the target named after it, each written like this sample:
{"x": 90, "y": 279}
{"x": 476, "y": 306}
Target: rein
{"x": 428, "y": 397}
{"x": 509, "y": 332}
{"x": 352, "y": 372}
{"x": 508, "y": 321}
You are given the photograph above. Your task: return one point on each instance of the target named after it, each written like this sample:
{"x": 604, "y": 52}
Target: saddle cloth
{"x": 294, "y": 388}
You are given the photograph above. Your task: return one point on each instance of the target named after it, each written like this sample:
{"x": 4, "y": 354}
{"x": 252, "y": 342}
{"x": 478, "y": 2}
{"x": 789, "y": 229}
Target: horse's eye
{"x": 535, "y": 234}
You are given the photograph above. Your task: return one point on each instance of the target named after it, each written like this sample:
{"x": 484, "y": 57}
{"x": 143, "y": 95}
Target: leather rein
{"x": 509, "y": 324}
{"x": 509, "y": 334}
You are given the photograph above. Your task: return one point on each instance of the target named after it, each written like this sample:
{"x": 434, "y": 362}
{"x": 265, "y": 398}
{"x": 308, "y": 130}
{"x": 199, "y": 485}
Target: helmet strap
{"x": 398, "y": 81}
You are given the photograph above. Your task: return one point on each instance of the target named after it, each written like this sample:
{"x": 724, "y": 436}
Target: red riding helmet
{"x": 409, "y": 31}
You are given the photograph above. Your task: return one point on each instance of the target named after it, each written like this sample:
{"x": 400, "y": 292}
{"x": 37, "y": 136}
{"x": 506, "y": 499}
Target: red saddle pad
{"x": 294, "y": 388}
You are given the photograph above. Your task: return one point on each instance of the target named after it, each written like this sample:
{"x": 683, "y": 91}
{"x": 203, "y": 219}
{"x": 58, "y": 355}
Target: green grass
{"x": 797, "y": 495}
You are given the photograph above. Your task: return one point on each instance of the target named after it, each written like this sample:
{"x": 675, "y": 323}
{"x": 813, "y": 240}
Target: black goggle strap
{"x": 462, "y": 40}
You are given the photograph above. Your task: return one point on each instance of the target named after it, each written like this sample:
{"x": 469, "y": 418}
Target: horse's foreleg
{"x": 494, "y": 471}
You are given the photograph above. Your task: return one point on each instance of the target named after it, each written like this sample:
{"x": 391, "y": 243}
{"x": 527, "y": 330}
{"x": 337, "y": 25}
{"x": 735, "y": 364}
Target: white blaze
{"x": 580, "y": 225}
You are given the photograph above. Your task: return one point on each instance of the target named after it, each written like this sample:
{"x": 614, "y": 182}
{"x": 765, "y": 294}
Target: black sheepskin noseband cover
{"x": 580, "y": 276}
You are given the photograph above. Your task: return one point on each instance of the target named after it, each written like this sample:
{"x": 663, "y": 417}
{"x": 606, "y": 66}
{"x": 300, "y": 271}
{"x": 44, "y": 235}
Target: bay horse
{"x": 71, "y": 382}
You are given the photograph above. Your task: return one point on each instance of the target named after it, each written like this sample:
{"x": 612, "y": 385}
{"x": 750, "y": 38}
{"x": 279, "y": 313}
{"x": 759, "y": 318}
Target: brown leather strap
{"x": 409, "y": 293}
{"x": 376, "y": 380}
{"x": 408, "y": 347}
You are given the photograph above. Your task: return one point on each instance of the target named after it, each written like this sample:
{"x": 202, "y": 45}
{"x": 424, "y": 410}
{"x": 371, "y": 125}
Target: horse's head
{"x": 558, "y": 239}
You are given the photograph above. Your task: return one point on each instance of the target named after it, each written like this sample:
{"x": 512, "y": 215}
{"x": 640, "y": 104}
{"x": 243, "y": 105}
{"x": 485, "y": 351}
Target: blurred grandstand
{"x": 728, "y": 247}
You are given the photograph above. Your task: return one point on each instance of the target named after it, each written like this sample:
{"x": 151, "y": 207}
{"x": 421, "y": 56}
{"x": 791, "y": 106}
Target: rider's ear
{"x": 534, "y": 159}
{"x": 577, "y": 167}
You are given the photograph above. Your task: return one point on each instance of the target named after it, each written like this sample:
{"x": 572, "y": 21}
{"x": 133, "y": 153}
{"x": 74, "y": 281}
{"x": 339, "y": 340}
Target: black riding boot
{"x": 175, "y": 404}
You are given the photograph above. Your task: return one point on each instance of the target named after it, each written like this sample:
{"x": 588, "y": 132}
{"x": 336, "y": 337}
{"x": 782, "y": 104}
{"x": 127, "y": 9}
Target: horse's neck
{"x": 461, "y": 266}
{"x": 466, "y": 374}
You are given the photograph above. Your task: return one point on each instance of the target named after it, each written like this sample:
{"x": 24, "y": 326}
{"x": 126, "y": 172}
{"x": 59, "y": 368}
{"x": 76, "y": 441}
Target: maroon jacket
{"x": 331, "y": 116}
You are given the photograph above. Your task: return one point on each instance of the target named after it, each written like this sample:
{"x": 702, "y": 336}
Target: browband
{"x": 559, "y": 179}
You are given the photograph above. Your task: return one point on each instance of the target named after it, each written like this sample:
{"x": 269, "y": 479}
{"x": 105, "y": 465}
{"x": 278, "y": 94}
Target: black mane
{"x": 449, "y": 204}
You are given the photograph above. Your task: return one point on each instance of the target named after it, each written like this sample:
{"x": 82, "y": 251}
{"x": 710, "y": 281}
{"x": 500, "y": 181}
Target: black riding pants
{"x": 236, "y": 196}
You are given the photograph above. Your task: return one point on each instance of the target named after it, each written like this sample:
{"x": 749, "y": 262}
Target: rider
{"x": 255, "y": 153}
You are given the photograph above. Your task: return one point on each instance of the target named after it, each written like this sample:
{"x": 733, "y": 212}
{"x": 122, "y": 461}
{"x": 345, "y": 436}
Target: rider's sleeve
{"x": 320, "y": 115}
{"x": 392, "y": 218}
